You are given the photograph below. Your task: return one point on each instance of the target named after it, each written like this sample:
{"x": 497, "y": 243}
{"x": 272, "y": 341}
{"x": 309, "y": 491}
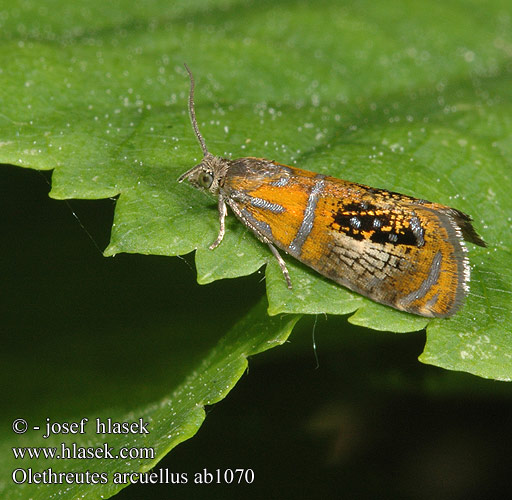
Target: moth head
{"x": 208, "y": 175}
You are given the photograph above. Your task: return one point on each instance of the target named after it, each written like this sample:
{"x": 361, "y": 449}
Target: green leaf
{"x": 416, "y": 102}
{"x": 171, "y": 420}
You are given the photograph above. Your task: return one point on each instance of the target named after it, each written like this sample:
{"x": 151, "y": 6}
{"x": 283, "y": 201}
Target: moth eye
{"x": 205, "y": 179}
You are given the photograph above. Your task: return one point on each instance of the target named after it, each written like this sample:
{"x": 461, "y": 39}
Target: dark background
{"x": 368, "y": 421}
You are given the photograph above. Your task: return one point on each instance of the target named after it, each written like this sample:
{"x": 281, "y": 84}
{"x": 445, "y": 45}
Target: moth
{"x": 405, "y": 252}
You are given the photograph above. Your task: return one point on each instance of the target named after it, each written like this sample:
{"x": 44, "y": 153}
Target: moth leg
{"x": 282, "y": 265}
{"x": 259, "y": 234}
{"x": 222, "y": 229}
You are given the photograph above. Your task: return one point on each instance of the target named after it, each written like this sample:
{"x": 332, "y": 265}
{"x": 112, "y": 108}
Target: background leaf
{"x": 168, "y": 422}
{"x": 410, "y": 97}
{"x": 89, "y": 336}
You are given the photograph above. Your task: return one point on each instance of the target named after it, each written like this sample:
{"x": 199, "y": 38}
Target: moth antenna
{"x": 193, "y": 113}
